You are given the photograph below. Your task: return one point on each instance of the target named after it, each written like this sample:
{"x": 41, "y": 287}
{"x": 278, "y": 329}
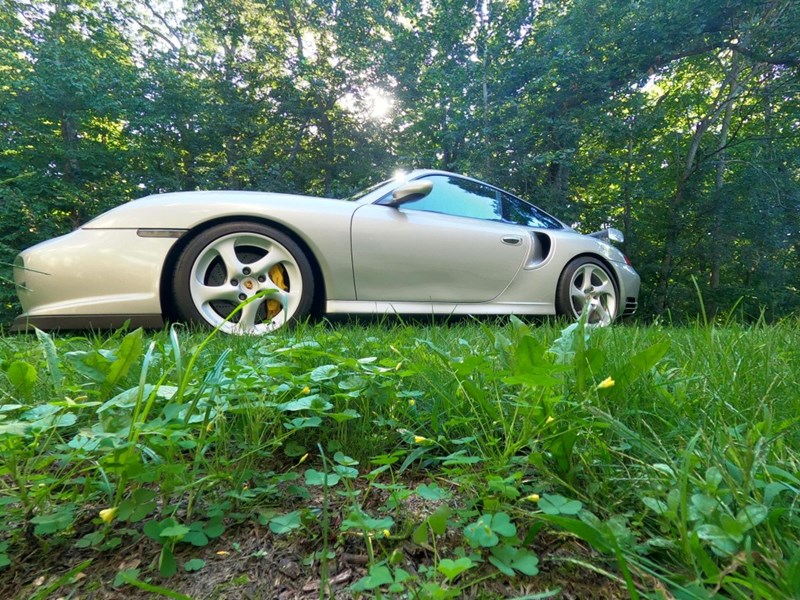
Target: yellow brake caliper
{"x": 279, "y": 277}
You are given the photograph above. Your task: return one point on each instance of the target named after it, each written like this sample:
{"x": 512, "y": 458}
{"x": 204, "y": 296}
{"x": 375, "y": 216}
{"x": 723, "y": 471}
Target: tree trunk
{"x": 717, "y": 234}
{"x": 485, "y": 8}
{"x": 626, "y": 194}
{"x": 673, "y": 229}
{"x": 329, "y": 145}
{"x": 69, "y": 136}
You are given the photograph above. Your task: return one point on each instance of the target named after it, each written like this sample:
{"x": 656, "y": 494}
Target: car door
{"x": 449, "y": 246}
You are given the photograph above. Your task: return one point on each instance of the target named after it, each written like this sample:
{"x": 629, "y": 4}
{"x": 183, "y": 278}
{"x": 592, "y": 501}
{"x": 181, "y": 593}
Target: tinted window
{"x": 460, "y": 198}
{"x": 464, "y": 198}
{"x": 520, "y": 212}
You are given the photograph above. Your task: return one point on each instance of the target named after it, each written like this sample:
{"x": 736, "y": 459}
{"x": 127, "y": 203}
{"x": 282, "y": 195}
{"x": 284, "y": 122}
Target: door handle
{"x": 512, "y": 240}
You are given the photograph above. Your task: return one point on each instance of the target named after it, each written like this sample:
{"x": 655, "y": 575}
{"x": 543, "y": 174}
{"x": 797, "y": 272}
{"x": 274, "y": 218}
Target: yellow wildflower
{"x": 532, "y": 498}
{"x": 418, "y": 439}
{"x": 306, "y": 390}
{"x": 303, "y": 458}
{"x": 605, "y": 384}
{"x": 411, "y": 402}
{"x": 549, "y": 420}
{"x": 223, "y": 553}
{"x": 386, "y": 533}
{"x": 107, "y": 514}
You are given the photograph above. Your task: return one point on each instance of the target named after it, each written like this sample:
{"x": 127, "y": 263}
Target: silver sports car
{"x": 426, "y": 242}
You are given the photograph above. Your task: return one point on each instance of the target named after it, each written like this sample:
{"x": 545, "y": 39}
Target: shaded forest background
{"x": 677, "y": 121}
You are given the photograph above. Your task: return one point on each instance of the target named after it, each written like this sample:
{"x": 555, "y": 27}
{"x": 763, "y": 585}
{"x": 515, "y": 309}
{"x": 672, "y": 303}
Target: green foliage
{"x": 178, "y": 438}
{"x": 672, "y": 120}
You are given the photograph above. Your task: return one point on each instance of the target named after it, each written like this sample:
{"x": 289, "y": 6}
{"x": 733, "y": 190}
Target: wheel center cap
{"x": 249, "y": 284}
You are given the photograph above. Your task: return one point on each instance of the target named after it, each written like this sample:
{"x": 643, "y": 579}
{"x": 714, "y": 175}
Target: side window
{"x": 460, "y": 198}
{"x": 520, "y": 212}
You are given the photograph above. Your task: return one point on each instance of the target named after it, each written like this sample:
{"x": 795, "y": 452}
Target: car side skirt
{"x": 26, "y": 323}
{"x": 439, "y": 308}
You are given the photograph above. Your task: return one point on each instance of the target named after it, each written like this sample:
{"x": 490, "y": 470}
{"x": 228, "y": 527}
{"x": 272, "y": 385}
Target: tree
{"x": 672, "y": 119}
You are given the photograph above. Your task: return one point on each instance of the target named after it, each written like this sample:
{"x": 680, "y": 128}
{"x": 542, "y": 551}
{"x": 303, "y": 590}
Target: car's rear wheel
{"x": 587, "y": 284}
{"x": 232, "y": 263}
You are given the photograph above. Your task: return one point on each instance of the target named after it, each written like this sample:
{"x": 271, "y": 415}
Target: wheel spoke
{"x": 275, "y": 256}
{"x": 606, "y": 289}
{"x": 249, "y": 315}
{"x": 288, "y": 301}
{"x": 226, "y": 248}
{"x": 579, "y": 298}
{"x": 600, "y": 314}
{"x": 578, "y": 302}
{"x": 587, "y": 276}
{"x": 204, "y": 294}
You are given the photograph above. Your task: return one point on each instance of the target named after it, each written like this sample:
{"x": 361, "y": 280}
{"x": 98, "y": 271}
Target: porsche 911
{"x": 426, "y": 242}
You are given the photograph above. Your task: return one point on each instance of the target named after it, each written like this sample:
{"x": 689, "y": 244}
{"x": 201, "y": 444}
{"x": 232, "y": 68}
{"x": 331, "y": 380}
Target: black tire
{"x": 232, "y": 262}
{"x": 586, "y": 280}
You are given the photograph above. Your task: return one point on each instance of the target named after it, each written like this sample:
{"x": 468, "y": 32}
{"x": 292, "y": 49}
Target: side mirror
{"x": 609, "y": 235}
{"x": 413, "y": 190}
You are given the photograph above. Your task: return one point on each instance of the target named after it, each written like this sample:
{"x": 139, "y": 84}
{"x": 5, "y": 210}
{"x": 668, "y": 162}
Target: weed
{"x": 673, "y": 453}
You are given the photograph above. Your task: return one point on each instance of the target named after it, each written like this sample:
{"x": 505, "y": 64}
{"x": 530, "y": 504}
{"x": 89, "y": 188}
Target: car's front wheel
{"x": 231, "y": 263}
{"x": 587, "y": 284}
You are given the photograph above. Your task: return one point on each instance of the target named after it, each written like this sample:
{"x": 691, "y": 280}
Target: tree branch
{"x": 787, "y": 60}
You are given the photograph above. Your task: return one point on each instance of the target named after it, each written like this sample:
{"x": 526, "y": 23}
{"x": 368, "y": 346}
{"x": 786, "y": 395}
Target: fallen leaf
{"x": 341, "y": 577}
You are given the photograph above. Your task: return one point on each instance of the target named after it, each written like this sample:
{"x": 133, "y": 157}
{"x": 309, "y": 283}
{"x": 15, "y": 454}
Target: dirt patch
{"x": 250, "y": 562}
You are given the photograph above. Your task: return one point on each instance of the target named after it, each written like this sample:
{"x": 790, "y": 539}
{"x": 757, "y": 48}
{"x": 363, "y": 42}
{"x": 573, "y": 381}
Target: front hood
{"x": 183, "y": 210}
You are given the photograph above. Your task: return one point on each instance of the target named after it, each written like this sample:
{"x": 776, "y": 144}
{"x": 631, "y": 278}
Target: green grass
{"x": 469, "y": 440}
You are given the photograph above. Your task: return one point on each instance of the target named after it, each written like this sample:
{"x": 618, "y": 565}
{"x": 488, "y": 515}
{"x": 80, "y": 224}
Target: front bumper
{"x": 91, "y": 279}
{"x": 629, "y": 285}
